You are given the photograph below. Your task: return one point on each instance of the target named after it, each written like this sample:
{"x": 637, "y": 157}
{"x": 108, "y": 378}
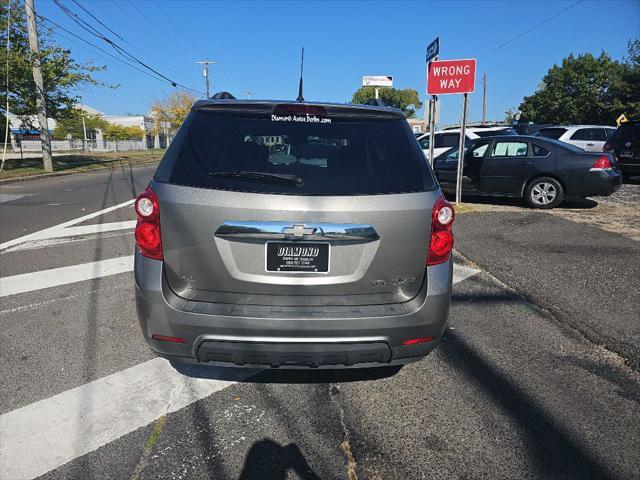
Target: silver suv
{"x": 293, "y": 234}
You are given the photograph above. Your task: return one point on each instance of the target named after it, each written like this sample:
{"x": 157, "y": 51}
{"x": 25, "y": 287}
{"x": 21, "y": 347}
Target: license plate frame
{"x": 307, "y": 260}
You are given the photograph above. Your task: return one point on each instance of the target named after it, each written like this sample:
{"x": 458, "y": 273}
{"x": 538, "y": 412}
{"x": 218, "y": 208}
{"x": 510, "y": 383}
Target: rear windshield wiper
{"x": 262, "y": 177}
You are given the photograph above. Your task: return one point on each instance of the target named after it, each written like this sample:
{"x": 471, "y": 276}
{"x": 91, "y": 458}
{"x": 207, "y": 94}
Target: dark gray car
{"x": 291, "y": 234}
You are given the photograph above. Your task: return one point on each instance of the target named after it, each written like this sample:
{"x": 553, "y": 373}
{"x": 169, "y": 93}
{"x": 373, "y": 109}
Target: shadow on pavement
{"x": 269, "y": 459}
{"x": 556, "y": 453}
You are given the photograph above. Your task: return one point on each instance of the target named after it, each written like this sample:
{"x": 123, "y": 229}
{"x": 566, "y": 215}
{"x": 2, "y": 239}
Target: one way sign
{"x": 451, "y": 76}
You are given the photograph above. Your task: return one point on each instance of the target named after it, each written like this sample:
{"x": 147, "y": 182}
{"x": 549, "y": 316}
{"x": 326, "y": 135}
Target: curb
{"x": 60, "y": 174}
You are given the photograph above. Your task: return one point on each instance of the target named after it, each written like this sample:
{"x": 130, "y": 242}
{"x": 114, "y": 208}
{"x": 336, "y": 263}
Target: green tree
{"x": 61, "y": 74}
{"x": 406, "y": 100}
{"x": 626, "y": 88}
{"x": 71, "y": 124}
{"x": 586, "y": 89}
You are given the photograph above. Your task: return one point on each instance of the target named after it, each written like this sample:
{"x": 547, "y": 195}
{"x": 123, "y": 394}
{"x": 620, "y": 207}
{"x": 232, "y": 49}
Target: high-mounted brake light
{"x": 147, "y": 231}
{"x": 441, "y": 241}
{"x": 284, "y": 109}
{"x": 602, "y": 163}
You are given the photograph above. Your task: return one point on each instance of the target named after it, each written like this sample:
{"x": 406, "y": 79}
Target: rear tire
{"x": 544, "y": 192}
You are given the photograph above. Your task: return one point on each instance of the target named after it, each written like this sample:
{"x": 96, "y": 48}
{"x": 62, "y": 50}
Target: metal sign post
{"x": 433, "y": 50}
{"x": 432, "y": 127}
{"x": 463, "y": 127}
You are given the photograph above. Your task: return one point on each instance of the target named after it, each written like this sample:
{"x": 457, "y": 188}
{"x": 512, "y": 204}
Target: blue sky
{"x": 257, "y": 45}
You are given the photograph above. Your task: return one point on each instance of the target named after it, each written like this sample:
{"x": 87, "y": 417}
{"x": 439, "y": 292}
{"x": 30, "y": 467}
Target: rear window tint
{"x": 339, "y": 155}
{"x": 627, "y": 132}
{"x": 551, "y": 132}
{"x": 495, "y": 133}
{"x": 449, "y": 140}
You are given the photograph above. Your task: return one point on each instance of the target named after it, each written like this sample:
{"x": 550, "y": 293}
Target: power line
{"x": 176, "y": 25}
{"x": 119, "y": 60}
{"x": 532, "y": 28}
{"x": 124, "y": 39}
{"x": 104, "y": 52}
{"x": 84, "y": 25}
{"x": 97, "y": 19}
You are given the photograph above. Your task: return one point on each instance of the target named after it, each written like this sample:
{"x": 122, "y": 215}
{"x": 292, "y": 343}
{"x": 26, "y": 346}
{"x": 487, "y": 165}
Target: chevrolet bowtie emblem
{"x": 297, "y": 231}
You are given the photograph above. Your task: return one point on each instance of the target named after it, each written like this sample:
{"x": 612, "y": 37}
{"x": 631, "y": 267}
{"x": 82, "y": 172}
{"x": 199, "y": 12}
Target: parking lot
{"x": 536, "y": 377}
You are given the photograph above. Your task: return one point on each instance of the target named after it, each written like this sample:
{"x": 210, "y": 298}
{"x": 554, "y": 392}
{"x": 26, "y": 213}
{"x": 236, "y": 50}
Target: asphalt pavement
{"x": 518, "y": 389}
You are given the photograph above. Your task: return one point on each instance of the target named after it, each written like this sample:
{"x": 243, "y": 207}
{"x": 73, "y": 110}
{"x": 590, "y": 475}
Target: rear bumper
{"x": 629, "y": 167}
{"x": 290, "y": 337}
{"x": 599, "y": 183}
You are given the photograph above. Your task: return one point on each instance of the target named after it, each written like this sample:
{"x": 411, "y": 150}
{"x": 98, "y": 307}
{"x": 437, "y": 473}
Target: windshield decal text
{"x": 299, "y": 118}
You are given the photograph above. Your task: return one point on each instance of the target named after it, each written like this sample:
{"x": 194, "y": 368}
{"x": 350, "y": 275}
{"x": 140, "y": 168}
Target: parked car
{"x": 446, "y": 139}
{"x": 625, "y": 145}
{"x": 541, "y": 171}
{"x": 590, "y": 138}
{"x": 529, "y": 128}
{"x": 293, "y": 234}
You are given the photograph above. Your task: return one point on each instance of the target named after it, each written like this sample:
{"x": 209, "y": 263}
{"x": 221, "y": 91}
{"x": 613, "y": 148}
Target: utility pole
{"x": 484, "y": 98}
{"x": 47, "y": 158}
{"x": 205, "y": 73}
{"x": 248, "y": 94}
{"x": 84, "y": 125}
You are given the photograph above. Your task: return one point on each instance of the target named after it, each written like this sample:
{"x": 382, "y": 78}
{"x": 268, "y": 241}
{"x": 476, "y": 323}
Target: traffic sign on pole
{"x": 451, "y": 76}
{"x": 433, "y": 49}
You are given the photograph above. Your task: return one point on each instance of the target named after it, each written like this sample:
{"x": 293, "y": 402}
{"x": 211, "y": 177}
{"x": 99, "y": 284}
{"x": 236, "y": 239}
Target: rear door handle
{"x": 589, "y": 144}
{"x": 526, "y": 163}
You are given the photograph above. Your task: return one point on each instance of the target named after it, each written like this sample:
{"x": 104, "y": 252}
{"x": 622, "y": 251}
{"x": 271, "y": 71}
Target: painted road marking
{"x": 52, "y": 242}
{"x": 28, "y": 282}
{"x": 462, "y": 272}
{"x": 71, "y": 235}
{"x": 61, "y": 229}
{"x": 51, "y": 432}
{"x": 10, "y": 197}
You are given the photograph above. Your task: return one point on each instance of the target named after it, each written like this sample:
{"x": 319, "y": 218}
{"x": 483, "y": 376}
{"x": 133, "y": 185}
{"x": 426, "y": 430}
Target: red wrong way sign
{"x": 451, "y": 76}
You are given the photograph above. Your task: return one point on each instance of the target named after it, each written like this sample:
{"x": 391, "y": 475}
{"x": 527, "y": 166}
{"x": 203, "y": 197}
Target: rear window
{"x": 335, "y": 155}
{"x": 629, "y": 133}
{"x": 551, "y": 132}
{"x": 495, "y": 133}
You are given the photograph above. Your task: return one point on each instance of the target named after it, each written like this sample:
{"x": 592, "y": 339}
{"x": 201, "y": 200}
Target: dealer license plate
{"x": 297, "y": 257}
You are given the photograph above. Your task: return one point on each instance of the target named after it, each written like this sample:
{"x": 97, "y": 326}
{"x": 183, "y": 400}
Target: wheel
{"x": 544, "y": 192}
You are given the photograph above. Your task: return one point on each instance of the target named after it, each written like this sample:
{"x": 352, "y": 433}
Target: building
{"x": 418, "y": 125}
{"x": 27, "y": 129}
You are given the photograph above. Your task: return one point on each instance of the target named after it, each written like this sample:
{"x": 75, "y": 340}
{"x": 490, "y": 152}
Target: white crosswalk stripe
{"x": 29, "y": 282}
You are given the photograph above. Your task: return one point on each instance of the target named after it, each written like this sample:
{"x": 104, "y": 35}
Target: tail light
{"x": 607, "y": 147}
{"x": 441, "y": 242}
{"x": 603, "y": 162}
{"x": 148, "y": 227}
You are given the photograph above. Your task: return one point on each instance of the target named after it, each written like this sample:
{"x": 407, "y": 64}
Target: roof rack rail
{"x": 223, "y": 96}
{"x": 375, "y": 102}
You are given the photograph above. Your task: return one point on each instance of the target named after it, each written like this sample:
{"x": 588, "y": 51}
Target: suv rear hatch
{"x": 625, "y": 142}
{"x": 295, "y": 204}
